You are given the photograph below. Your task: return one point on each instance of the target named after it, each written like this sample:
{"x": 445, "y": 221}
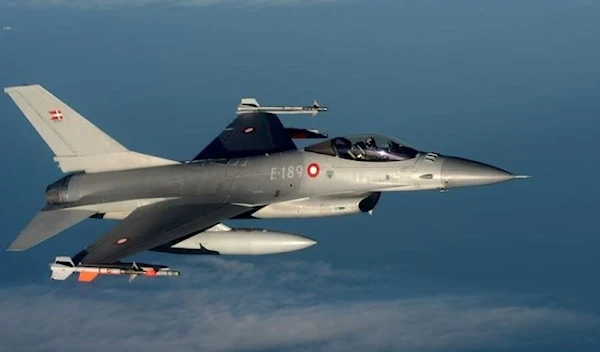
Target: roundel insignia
{"x": 248, "y": 130}
{"x": 122, "y": 240}
{"x": 313, "y": 170}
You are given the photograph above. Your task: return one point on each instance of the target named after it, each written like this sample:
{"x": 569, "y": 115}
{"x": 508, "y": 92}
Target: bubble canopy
{"x": 365, "y": 147}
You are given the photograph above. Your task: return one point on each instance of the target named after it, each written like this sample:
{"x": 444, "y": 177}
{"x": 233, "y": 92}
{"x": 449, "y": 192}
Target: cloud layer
{"x": 225, "y": 305}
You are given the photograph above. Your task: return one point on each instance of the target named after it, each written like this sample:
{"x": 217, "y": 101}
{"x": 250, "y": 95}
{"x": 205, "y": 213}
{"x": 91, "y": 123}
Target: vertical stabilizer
{"x": 65, "y": 131}
{"x": 78, "y": 145}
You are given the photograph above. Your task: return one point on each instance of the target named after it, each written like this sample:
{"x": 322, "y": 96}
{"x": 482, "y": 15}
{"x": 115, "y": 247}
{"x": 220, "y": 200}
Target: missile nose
{"x": 459, "y": 172}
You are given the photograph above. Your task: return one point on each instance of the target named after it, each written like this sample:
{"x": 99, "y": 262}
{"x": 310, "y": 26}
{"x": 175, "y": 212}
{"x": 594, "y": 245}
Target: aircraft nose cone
{"x": 459, "y": 172}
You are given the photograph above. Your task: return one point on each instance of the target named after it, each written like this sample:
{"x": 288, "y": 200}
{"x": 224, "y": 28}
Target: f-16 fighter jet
{"x": 252, "y": 169}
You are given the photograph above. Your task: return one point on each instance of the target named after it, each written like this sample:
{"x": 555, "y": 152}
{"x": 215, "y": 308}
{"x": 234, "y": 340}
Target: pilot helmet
{"x": 370, "y": 142}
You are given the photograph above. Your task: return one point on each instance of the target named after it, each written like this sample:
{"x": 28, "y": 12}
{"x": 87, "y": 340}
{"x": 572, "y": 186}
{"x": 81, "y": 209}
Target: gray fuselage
{"x": 266, "y": 179}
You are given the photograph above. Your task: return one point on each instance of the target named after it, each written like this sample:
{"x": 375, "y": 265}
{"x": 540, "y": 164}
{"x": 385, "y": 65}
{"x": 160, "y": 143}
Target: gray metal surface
{"x": 252, "y": 169}
{"x": 47, "y": 224}
{"x": 459, "y": 172}
{"x": 151, "y": 226}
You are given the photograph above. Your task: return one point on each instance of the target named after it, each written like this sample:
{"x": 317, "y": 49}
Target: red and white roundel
{"x": 313, "y": 170}
{"x": 122, "y": 240}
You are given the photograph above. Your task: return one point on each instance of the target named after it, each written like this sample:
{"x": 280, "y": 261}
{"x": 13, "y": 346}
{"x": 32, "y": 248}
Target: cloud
{"x": 229, "y": 305}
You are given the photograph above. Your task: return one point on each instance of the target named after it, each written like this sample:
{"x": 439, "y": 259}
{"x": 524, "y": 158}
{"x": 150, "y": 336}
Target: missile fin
{"x": 85, "y": 276}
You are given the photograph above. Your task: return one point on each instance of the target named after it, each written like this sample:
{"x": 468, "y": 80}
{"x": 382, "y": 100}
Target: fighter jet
{"x": 253, "y": 169}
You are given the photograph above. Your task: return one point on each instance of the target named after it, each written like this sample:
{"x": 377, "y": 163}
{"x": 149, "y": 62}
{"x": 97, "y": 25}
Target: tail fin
{"x": 62, "y": 268}
{"x": 77, "y": 144}
{"x": 87, "y": 276}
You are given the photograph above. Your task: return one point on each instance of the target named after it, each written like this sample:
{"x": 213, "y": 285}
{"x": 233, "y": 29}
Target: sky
{"x": 508, "y": 267}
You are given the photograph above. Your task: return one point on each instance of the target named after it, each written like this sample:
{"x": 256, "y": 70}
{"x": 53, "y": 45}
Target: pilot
{"x": 370, "y": 142}
{"x": 372, "y": 151}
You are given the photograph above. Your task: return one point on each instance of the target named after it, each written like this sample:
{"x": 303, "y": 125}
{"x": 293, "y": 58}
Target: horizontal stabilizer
{"x": 45, "y": 225}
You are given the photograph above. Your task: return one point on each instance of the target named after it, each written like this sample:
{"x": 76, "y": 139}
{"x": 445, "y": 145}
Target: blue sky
{"x": 500, "y": 268}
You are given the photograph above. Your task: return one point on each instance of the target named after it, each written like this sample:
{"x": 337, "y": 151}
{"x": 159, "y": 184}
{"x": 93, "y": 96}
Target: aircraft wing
{"x": 249, "y": 134}
{"x": 154, "y": 225}
{"x": 257, "y": 130}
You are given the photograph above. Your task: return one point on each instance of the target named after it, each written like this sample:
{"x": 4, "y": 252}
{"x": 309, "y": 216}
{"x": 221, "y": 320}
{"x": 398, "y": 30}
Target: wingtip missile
{"x": 248, "y": 105}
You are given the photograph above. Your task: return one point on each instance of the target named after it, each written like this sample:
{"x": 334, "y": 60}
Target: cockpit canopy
{"x": 365, "y": 147}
